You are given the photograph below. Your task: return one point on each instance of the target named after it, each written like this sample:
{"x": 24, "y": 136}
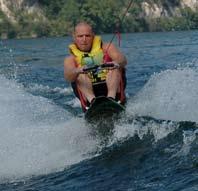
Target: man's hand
{"x": 116, "y": 65}
{"x": 79, "y": 70}
{"x": 113, "y": 65}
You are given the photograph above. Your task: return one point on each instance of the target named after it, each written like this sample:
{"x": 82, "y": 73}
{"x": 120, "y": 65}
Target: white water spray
{"x": 170, "y": 95}
{"x": 37, "y": 136}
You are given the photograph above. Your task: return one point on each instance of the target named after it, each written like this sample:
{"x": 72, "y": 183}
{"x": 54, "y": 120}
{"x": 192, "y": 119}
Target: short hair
{"x": 83, "y": 23}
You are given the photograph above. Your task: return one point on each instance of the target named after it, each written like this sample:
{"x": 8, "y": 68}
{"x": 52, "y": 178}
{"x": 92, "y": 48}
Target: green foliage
{"x": 189, "y": 20}
{"x": 52, "y": 7}
{"x": 6, "y": 29}
{"x": 106, "y": 16}
{"x": 101, "y": 14}
{"x": 70, "y": 12}
{"x": 191, "y": 17}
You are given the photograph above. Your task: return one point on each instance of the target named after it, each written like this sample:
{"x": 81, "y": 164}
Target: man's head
{"x": 83, "y": 36}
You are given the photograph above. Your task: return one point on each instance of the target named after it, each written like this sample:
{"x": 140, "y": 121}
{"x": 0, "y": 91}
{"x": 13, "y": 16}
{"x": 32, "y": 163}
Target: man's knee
{"x": 114, "y": 74}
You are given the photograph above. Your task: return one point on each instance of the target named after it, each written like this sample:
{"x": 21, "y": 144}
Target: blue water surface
{"x": 45, "y": 143}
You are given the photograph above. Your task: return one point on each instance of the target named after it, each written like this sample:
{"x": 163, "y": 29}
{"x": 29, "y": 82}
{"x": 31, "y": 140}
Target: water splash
{"x": 142, "y": 126}
{"x": 48, "y": 90}
{"x": 189, "y": 137}
{"x": 28, "y": 151}
{"x": 36, "y": 135}
{"x": 170, "y": 95}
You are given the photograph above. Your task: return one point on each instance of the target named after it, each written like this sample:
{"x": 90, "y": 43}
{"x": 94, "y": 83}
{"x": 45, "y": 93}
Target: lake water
{"x": 45, "y": 143}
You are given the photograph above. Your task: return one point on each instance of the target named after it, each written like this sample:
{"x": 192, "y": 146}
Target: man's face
{"x": 83, "y": 37}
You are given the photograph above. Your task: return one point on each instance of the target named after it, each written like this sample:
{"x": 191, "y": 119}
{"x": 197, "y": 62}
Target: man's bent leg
{"x": 85, "y": 85}
{"x": 113, "y": 82}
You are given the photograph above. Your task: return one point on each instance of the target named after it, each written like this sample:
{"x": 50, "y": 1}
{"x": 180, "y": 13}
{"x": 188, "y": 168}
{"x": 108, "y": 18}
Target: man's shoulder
{"x": 107, "y": 45}
{"x": 69, "y": 59}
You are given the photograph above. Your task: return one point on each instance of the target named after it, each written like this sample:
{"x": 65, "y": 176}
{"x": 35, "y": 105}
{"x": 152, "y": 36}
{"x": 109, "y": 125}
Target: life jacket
{"x": 94, "y": 57}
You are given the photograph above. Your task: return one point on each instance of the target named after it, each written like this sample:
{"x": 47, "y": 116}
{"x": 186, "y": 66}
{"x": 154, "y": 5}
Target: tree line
{"x": 60, "y": 17}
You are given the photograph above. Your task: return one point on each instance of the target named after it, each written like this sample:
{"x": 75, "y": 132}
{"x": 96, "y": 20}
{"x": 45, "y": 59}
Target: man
{"x": 88, "y": 49}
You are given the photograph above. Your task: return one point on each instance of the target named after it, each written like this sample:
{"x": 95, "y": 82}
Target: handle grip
{"x": 100, "y": 67}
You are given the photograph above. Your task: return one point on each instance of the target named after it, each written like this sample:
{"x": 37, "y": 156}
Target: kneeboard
{"x": 103, "y": 107}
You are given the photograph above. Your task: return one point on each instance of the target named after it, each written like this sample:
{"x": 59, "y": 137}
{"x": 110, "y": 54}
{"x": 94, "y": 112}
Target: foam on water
{"x": 142, "y": 127}
{"x": 19, "y": 108}
{"x": 47, "y": 89}
{"x": 74, "y": 103}
{"x": 170, "y": 95}
{"x": 37, "y": 136}
{"x": 34, "y": 151}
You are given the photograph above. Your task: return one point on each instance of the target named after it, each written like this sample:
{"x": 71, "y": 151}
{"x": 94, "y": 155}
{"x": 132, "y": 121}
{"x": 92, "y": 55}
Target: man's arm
{"x": 115, "y": 54}
{"x": 71, "y": 72}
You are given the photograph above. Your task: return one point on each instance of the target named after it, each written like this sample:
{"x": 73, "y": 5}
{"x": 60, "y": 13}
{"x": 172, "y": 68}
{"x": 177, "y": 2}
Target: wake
{"x": 170, "y": 95}
{"x": 38, "y": 137}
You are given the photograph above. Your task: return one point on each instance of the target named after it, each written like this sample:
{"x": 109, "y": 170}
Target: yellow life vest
{"x": 94, "y": 57}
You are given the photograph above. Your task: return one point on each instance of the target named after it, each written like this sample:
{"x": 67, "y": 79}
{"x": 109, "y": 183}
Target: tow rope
{"x": 117, "y": 32}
